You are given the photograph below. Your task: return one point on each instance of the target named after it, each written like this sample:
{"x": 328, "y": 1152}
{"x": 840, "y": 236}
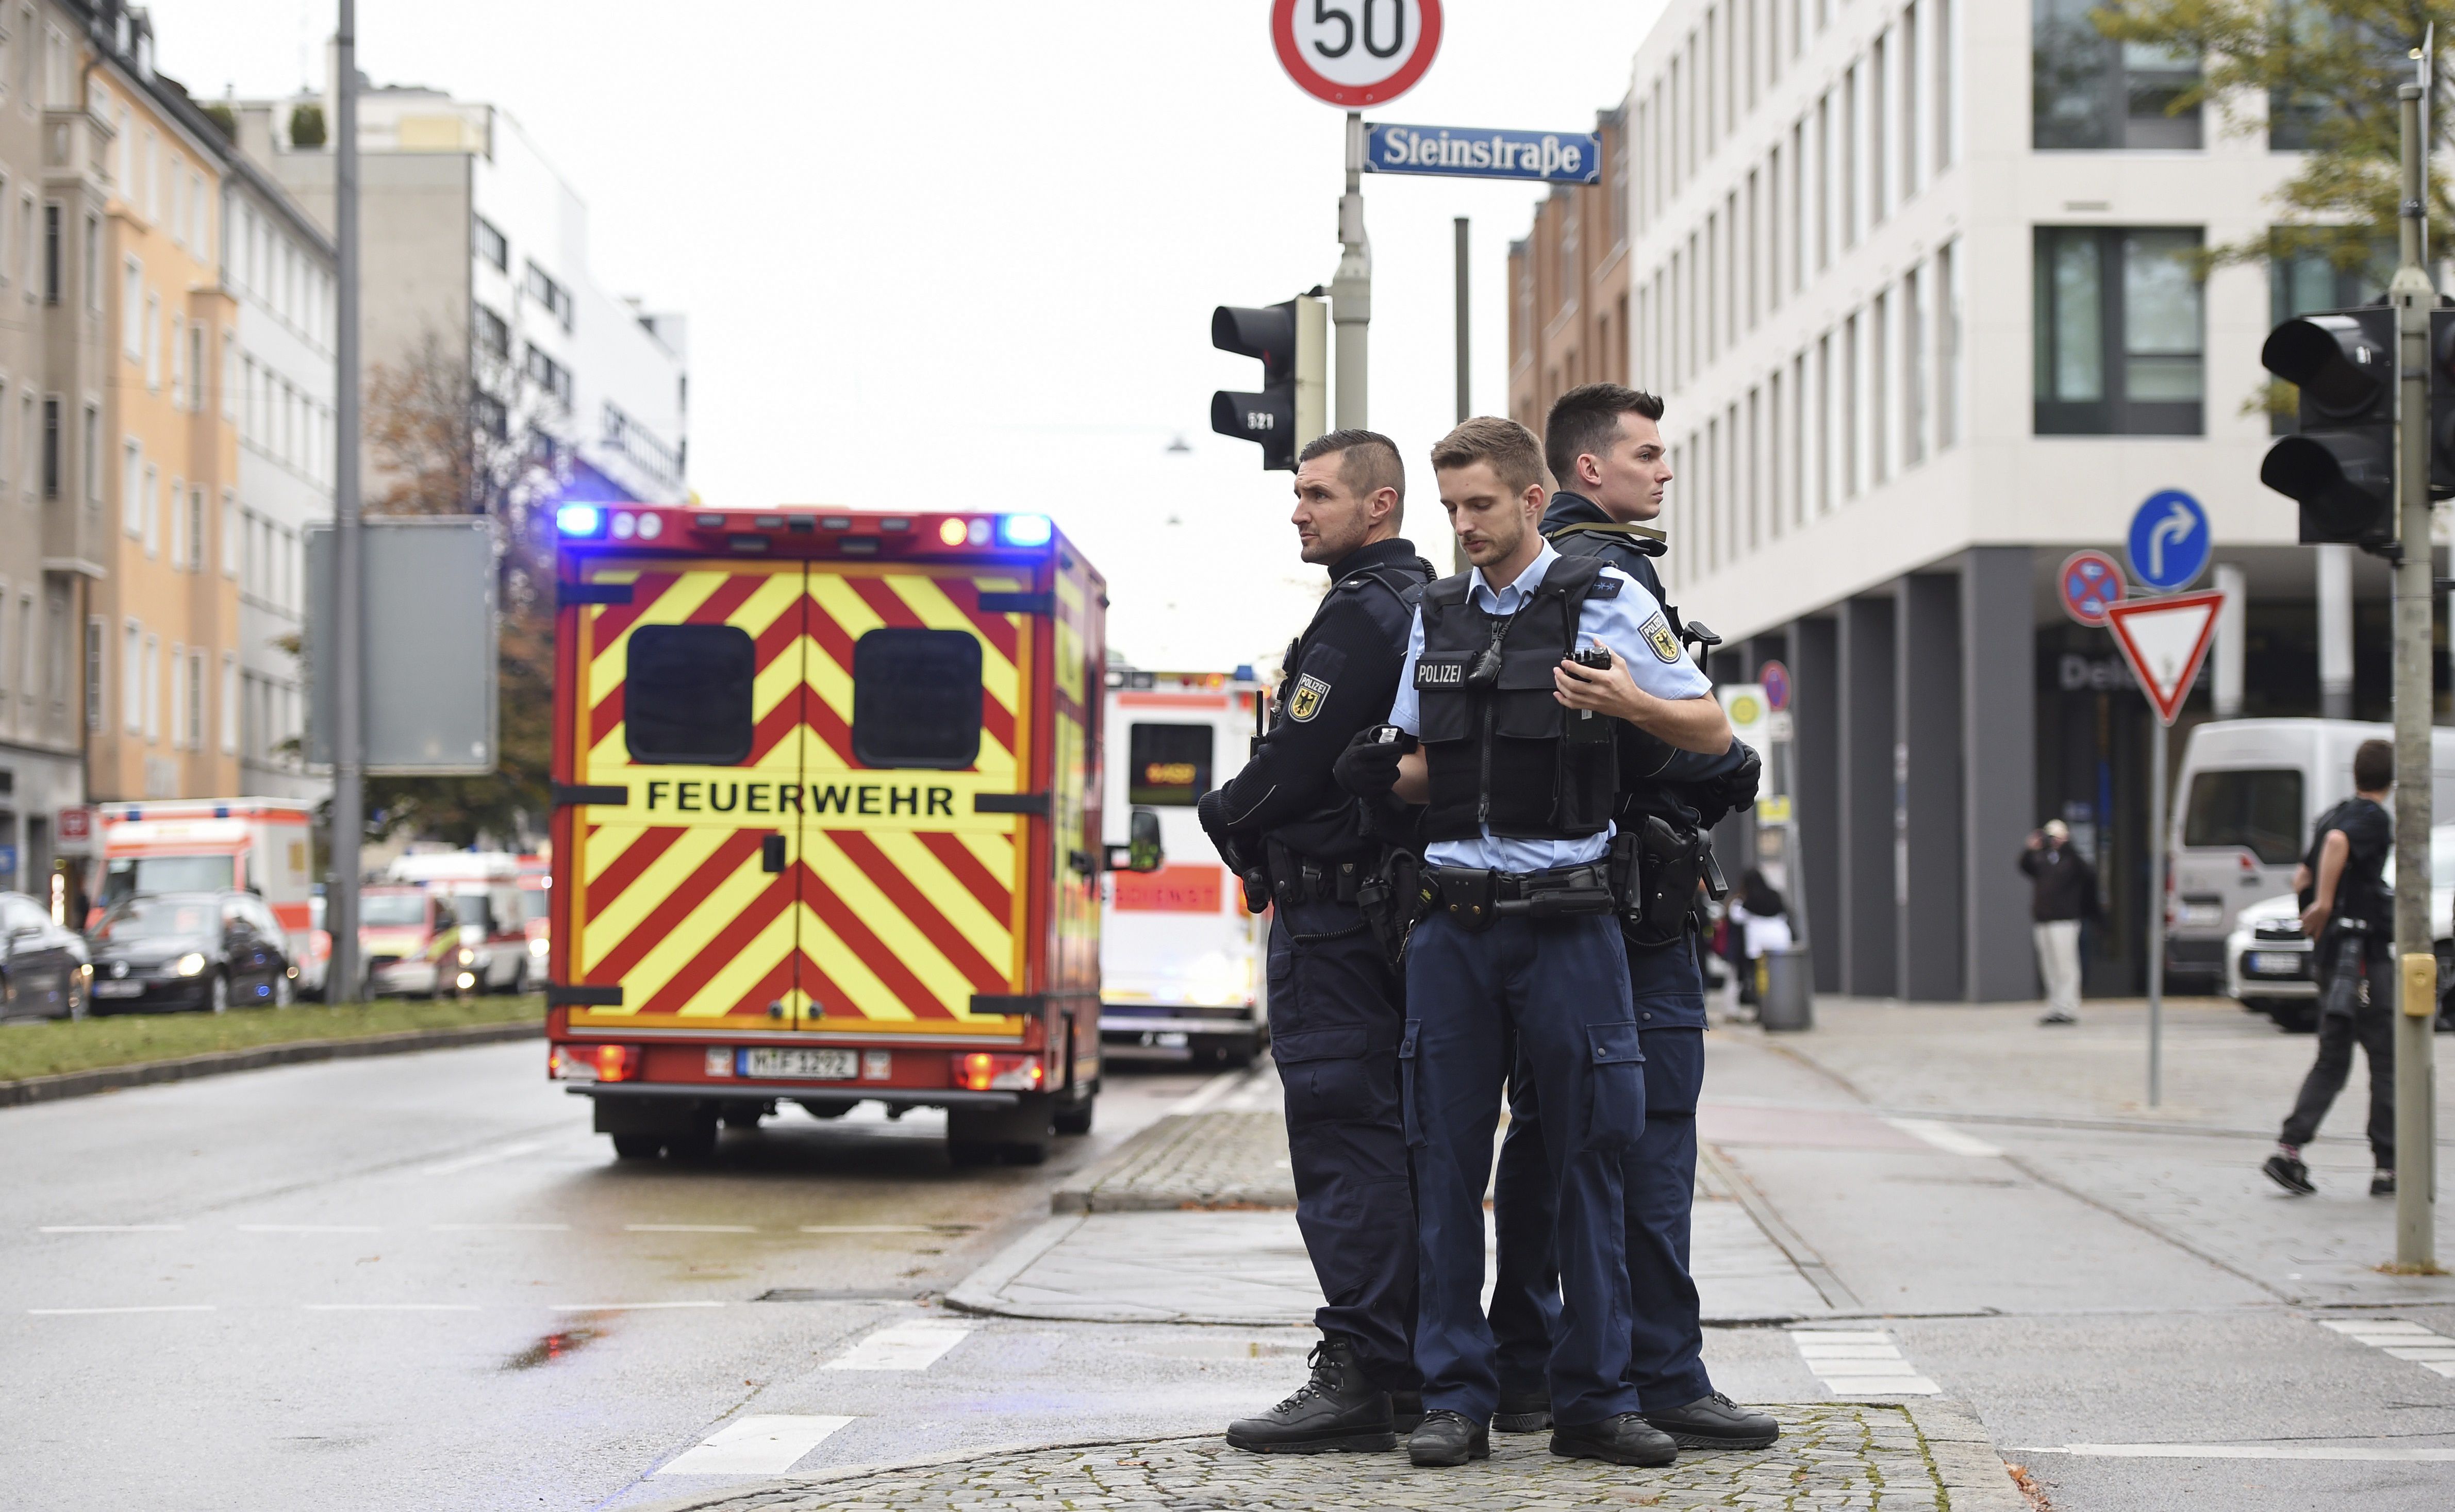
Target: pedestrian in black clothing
{"x": 2062, "y": 892}
{"x": 2349, "y": 916}
{"x": 1336, "y": 1007}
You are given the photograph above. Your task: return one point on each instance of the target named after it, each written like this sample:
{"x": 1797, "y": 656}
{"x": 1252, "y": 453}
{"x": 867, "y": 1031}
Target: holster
{"x": 1666, "y": 864}
{"x": 1387, "y": 900}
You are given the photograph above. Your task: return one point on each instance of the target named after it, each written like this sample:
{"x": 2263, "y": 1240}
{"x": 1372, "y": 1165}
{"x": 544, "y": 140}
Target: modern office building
{"x": 476, "y": 255}
{"x": 1918, "y": 345}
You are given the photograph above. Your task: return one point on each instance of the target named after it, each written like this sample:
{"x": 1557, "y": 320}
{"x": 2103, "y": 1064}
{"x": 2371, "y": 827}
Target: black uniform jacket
{"x": 1340, "y": 681}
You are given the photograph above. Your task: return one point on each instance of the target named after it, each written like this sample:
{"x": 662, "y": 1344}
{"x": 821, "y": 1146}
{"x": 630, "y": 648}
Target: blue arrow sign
{"x": 1462, "y": 151}
{"x": 2170, "y": 540}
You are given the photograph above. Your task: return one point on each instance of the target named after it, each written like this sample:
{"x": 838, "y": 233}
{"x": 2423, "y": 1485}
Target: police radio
{"x": 1598, "y": 659}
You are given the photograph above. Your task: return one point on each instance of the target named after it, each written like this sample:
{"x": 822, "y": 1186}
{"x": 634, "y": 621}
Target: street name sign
{"x": 1463, "y": 151}
{"x": 2088, "y": 585}
{"x": 1355, "y": 52}
{"x": 2164, "y": 641}
{"x": 2169, "y": 541}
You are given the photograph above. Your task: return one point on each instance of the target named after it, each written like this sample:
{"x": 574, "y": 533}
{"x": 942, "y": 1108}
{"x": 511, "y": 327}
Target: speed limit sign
{"x": 1357, "y": 53}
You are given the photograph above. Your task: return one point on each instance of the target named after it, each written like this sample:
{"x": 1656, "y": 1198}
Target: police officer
{"x": 1519, "y": 764}
{"x": 1335, "y": 1004}
{"x": 1601, "y": 441}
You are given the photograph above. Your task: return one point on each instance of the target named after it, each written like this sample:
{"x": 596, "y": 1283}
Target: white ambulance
{"x": 194, "y": 846}
{"x": 1183, "y": 967}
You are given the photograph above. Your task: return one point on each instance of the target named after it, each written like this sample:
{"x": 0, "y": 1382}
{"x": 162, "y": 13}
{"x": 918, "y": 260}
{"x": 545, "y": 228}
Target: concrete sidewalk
{"x": 1929, "y": 1455}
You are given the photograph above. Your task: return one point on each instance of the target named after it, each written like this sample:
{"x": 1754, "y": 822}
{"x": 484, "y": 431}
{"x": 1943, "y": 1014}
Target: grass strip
{"x": 49, "y": 1049}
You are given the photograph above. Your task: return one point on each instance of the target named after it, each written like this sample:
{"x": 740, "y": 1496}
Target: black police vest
{"x": 1502, "y": 752}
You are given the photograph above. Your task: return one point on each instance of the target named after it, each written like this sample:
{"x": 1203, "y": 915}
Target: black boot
{"x": 1337, "y": 1411}
{"x": 1523, "y": 1411}
{"x": 1623, "y": 1439}
{"x": 1447, "y": 1438}
{"x": 1716, "y": 1422}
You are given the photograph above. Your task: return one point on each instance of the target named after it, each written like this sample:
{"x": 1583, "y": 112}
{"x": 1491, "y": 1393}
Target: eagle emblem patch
{"x": 1306, "y": 701}
{"x": 1657, "y": 634}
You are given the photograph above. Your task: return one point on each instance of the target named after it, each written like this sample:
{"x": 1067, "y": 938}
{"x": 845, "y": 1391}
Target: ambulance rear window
{"x": 1168, "y": 764}
{"x": 916, "y": 698}
{"x": 686, "y": 693}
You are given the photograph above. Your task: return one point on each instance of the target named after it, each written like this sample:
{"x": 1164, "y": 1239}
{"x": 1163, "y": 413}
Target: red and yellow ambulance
{"x": 827, "y": 821}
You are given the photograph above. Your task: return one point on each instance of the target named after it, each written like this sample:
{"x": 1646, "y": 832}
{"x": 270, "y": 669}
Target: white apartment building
{"x": 1915, "y": 280}
{"x": 280, "y": 268}
{"x": 474, "y": 241}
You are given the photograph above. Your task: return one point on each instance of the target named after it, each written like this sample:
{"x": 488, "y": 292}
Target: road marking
{"x": 308, "y": 1228}
{"x": 498, "y": 1228}
{"x": 1945, "y": 1136}
{"x": 1860, "y": 1363}
{"x": 2399, "y": 1340}
{"x": 96, "y": 1312}
{"x": 113, "y": 1228}
{"x": 689, "y": 1228}
{"x": 915, "y": 1345}
{"x": 2246, "y": 1451}
{"x": 766, "y": 1444}
{"x": 878, "y": 1228}
{"x": 621, "y": 1307}
{"x": 470, "y": 1162}
{"x": 392, "y": 1307}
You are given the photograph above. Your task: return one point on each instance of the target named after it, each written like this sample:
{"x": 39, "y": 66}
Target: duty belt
{"x": 1474, "y": 896}
{"x": 1298, "y": 878}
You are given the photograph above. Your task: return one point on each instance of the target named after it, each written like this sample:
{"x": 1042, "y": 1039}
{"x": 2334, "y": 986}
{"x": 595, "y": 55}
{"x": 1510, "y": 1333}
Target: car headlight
{"x": 538, "y": 947}
{"x": 468, "y": 956}
{"x": 191, "y": 963}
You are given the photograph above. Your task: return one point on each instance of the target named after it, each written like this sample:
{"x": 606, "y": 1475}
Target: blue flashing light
{"x": 1026, "y": 529}
{"x": 1245, "y": 672}
{"x": 579, "y": 519}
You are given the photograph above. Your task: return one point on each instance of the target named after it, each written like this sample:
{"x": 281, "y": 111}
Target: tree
{"x": 2328, "y": 70}
{"x": 446, "y": 437}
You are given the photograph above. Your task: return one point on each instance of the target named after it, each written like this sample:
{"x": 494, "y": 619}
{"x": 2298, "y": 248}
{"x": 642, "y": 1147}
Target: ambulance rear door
{"x": 689, "y": 723}
{"x": 921, "y": 787}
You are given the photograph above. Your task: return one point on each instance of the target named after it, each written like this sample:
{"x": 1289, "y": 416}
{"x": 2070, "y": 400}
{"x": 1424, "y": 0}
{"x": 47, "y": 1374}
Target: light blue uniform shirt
{"x": 1619, "y": 623}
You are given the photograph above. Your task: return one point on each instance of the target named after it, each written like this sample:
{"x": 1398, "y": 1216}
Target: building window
{"x": 93, "y": 704}
{"x": 2118, "y": 334}
{"x": 132, "y": 488}
{"x": 132, "y": 310}
{"x": 51, "y": 447}
{"x": 1914, "y": 366}
{"x": 549, "y": 376}
{"x": 230, "y": 703}
{"x": 229, "y": 533}
{"x": 555, "y": 299}
{"x": 92, "y": 454}
{"x": 489, "y": 244}
{"x": 493, "y": 335}
{"x": 2089, "y": 92}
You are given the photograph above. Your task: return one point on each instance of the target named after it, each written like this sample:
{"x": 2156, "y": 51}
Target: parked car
{"x": 2267, "y": 958}
{"x": 409, "y": 937}
{"x": 43, "y": 976}
{"x": 189, "y": 950}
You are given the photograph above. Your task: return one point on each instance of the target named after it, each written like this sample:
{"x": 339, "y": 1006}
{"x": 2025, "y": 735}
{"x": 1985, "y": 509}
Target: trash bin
{"x": 1786, "y": 996}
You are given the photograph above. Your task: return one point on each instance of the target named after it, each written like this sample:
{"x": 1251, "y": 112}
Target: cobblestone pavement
{"x": 1216, "y": 1159}
{"x": 1837, "y": 1455}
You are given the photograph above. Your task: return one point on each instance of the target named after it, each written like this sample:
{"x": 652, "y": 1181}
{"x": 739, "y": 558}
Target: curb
{"x": 1967, "y": 1464}
{"x": 1082, "y": 1192}
{"x": 222, "y": 1062}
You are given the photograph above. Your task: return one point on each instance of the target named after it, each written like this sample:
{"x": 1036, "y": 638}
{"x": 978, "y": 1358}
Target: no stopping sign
{"x": 1355, "y": 52}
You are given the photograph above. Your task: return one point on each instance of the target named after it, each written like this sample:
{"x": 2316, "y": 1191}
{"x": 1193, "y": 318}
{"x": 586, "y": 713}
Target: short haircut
{"x": 1368, "y": 463}
{"x": 1585, "y": 421}
{"x": 2374, "y": 765}
{"x": 1511, "y": 449}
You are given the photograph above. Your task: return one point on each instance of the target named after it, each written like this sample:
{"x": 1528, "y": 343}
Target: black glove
{"x": 1368, "y": 766}
{"x": 1211, "y": 809}
{"x": 1737, "y": 787}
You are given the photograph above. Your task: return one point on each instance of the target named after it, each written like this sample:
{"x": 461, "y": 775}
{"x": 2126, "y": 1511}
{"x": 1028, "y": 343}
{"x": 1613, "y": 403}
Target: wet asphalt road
{"x": 420, "y": 1281}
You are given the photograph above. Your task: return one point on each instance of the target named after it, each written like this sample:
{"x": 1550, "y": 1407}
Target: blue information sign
{"x": 1463, "y": 151}
{"x": 2170, "y": 541}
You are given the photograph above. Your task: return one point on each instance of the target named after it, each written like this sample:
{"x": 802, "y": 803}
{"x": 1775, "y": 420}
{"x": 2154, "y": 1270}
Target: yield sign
{"x": 2164, "y": 641}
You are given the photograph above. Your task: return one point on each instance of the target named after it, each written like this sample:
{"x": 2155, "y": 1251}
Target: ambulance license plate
{"x": 812, "y": 1065}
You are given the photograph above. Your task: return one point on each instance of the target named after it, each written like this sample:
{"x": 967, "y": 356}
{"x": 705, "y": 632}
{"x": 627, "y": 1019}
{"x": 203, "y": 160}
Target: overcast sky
{"x": 965, "y": 252}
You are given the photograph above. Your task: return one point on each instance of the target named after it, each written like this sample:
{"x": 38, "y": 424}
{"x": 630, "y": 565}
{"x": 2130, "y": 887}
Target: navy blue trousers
{"x": 1336, "y": 1013}
{"x": 1563, "y": 984}
{"x": 1667, "y": 1337}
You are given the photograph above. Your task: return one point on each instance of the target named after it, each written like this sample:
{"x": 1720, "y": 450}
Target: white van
{"x": 1183, "y": 967}
{"x": 2244, "y": 801}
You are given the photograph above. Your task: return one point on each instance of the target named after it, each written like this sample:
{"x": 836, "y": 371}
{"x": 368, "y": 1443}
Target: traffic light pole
{"x": 1351, "y": 292}
{"x": 345, "y": 969}
{"x": 2415, "y": 1077}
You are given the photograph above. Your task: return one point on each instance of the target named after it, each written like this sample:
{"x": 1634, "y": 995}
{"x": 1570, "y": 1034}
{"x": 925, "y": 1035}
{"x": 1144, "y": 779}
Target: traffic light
{"x": 2340, "y": 467}
{"x": 1292, "y": 341}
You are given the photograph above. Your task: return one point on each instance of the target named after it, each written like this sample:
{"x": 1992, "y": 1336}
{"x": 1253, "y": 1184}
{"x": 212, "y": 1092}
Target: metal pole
{"x": 1465, "y": 401}
{"x": 1351, "y": 292}
{"x": 2157, "y": 912}
{"x": 349, "y": 555}
{"x": 2415, "y": 1117}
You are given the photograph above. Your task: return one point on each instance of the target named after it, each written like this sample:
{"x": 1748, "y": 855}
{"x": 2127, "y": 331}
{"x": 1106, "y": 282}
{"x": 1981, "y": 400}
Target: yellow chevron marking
{"x": 725, "y": 902}
{"x": 871, "y": 998}
{"x": 837, "y": 873}
{"x": 834, "y": 595}
{"x": 607, "y": 926}
{"x": 671, "y": 607}
{"x": 609, "y": 842}
{"x": 996, "y": 851}
{"x": 759, "y": 958}
{"x": 987, "y": 933}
